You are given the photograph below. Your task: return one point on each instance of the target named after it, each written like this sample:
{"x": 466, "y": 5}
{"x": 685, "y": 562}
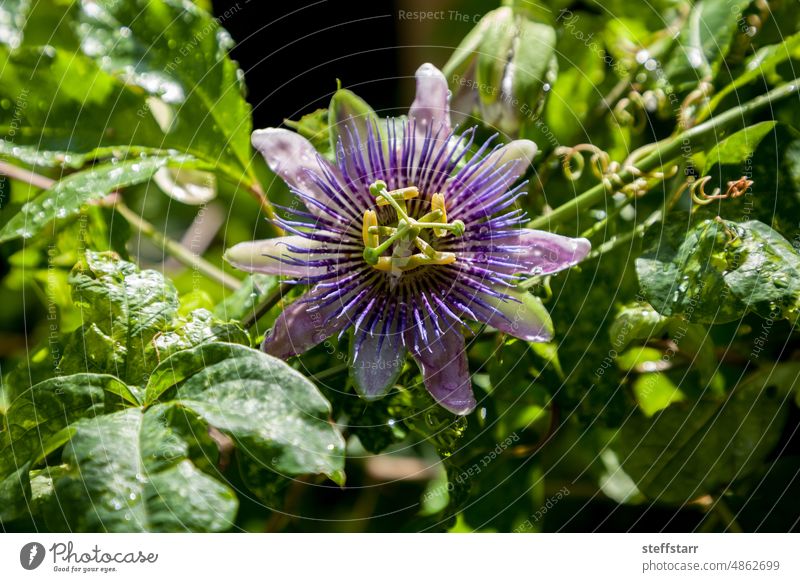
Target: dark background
{"x": 292, "y": 53}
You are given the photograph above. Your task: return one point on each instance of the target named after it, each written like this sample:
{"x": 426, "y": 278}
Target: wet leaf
{"x": 38, "y": 414}
{"x": 185, "y": 67}
{"x": 275, "y": 415}
{"x": 66, "y": 197}
{"x": 714, "y": 271}
{"x": 129, "y": 471}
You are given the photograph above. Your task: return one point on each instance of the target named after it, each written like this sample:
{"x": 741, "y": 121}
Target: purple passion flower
{"x": 404, "y": 238}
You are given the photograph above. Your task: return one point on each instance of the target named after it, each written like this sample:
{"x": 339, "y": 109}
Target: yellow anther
{"x": 400, "y": 195}
{"x": 437, "y": 203}
{"x": 371, "y": 238}
{"x": 383, "y": 264}
{"x": 420, "y": 259}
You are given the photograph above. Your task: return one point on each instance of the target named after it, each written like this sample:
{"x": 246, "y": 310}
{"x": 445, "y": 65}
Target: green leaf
{"x": 129, "y": 472}
{"x": 15, "y": 493}
{"x": 275, "y": 415}
{"x": 495, "y": 46}
{"x": 66, "y": 197}
{"x": 196, "y": 91}
{"x": 38, "y": 414}
{"x": 635, "y": 322}
{"x": 767, "y": 273}
{"x": 739, "y": 146}
{"x": 34, "y": 155}
{"x": 533, "y": 58}
{"x": 713, "y": 271}
{"x": 699, "y": 448}
{"x": 655, "y": 392}
{"x": 615, "y": 482}
{"x": 760, "y": 65}
{"x": 704, "y": 41}
{"x": 124, "y": 309}
{"x": 198, "y": 328}
{"x": 62, "y": 102}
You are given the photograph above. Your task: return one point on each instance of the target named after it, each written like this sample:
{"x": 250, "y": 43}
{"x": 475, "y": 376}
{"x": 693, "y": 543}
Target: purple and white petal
{"x": 544, "y": 253}
{"x": 302, "y": 325}
{"x": 443, "y": 363}
{"x": 521, "y": 315}
{"x": 521, "y": 151}
{"x": 431, "y": 106}
{"x": 377, "y": 362}
{"x": 477, "y": 190}
{"x": 294, "y": 159}
{"x": 285, "y": 256}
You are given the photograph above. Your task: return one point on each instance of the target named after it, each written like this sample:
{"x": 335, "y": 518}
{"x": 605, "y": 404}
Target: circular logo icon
{"x": 31, "y": 555}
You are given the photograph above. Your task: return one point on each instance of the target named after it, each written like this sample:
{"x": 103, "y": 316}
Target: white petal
{"x": 431, "y": 107}
{"x": 274, "y": 257}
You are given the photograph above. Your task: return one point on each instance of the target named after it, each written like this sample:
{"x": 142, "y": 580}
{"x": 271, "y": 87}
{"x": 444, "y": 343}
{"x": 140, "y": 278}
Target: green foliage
{"x": 273, "y": 413}
{"x": 704, "y": 41}
{"x": 132, "y": 395}
{"x": 120, "y": 430}
{"x": 699, "y": 448}
{"x": 717, "y": 270}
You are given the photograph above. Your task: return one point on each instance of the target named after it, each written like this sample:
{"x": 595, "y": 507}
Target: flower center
{"x": 392, "y": 248}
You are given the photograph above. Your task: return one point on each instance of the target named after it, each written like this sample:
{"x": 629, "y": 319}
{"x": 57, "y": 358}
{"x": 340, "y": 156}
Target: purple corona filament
{"x": 407, "y": 236}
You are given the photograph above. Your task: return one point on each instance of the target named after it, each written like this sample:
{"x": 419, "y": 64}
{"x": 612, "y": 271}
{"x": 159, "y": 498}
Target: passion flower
{"x": 412, "y": 232}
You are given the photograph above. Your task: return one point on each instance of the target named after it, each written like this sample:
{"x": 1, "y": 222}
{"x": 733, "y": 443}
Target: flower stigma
{"x": 395, "y": 252}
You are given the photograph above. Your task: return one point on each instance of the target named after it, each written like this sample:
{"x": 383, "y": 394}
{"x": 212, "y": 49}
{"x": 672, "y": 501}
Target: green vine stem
{"x": 176, "y": 249}
{"x": 664, "y": 152}
{"x": 173, "y": 248}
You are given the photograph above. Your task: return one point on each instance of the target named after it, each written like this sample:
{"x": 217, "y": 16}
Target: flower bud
{"x": 501, "y": 72}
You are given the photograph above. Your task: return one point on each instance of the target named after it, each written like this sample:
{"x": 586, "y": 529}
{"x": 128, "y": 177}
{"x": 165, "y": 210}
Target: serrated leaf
{"x": 275, "y": 415}
{"x": 129, "y": 471}
{"x": 713, "y": 271}
{"x": 127, "y": 307}
{"x": 66, "y": 197}
{"x": 198, "y": 328}
{"x": 62, "y": 102}
{"x": 38, "y": 414}
{"x": 36, "y": 156}
{"x": 186, "y": 67}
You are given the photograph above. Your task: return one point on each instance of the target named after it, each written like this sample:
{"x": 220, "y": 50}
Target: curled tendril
{"x": 607, "y": 170}
{"x": 736, "y": 188}
{"x": 633, "y": 110}
{"x": 693, "y": 101}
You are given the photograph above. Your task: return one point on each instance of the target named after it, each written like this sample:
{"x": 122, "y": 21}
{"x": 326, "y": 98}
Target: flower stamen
{"x": 406, "y": 234}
